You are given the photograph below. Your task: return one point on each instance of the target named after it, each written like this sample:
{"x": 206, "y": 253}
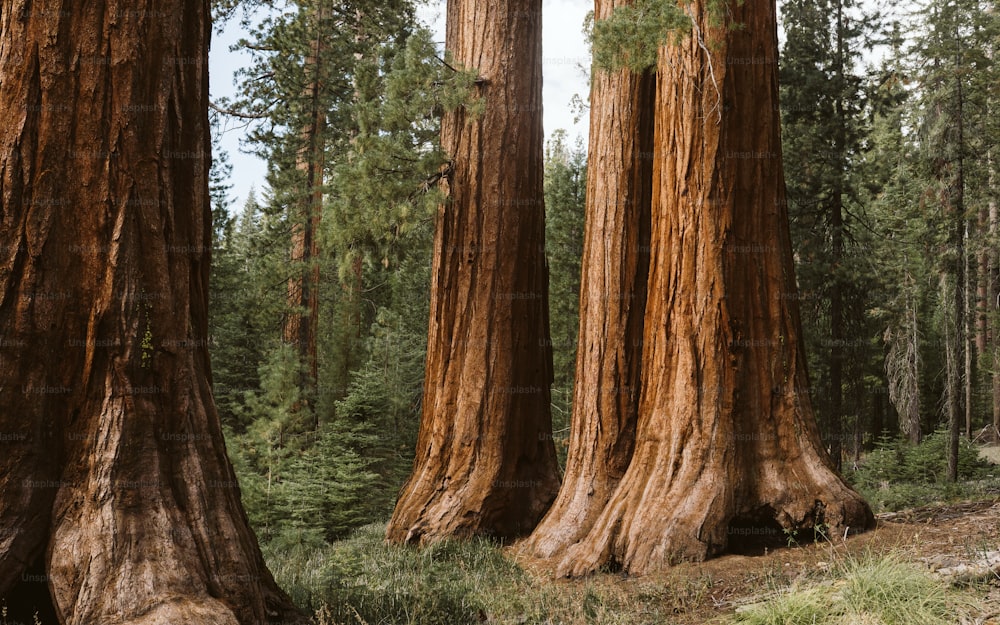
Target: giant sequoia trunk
{"x": 726, "y": 436}
{"x": 113, "y": 472}
{"x": 612, "y": 302}
{"x": 485, "y": 461}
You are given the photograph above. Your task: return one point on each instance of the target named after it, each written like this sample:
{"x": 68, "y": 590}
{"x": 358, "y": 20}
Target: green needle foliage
{"x": 385, "y": 185}
{"x": 565, "y": 203}
{"x": 824, "y": 129}
{"x": 632, "y": 36}
{"x": 316, "y": 460}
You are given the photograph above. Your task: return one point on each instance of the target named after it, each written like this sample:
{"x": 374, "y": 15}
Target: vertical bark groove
{"x": 117, "y": 472}
{"x": 485, "y": 461}
{"x": 612, "y": 302}
{"x": 725, "y": 430}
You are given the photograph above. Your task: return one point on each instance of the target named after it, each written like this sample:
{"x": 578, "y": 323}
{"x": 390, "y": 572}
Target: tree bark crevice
{"x": 725, "y": 431}
{"x": 485, "y": 461}
{"x": 115, "y": 469}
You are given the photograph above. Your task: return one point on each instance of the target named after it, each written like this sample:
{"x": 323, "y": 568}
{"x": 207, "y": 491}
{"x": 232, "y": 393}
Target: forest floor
{"x": 938, "y": 536}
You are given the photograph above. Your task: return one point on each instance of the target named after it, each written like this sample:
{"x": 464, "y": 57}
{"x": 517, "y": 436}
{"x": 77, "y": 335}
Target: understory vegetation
{"x": 361, "y": 580}
{"x": 897, "y": 474}
{"x": 879, "y": 184}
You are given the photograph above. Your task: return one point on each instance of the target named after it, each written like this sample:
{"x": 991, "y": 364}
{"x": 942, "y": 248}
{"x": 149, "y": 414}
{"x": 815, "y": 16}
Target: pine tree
{"x": 247, "y": 302}
{"x": 565, "y": 191}
{"x": 390, "y": 170}
{"x": 303, "y": 89}
{"x": 823, "y": 103}
{"x": 376, "y": 232}
{"x": 949, "y": 54}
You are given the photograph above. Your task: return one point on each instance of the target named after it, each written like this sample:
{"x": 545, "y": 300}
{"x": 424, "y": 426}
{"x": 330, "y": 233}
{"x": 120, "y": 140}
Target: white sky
{"x": 565, "y": 69}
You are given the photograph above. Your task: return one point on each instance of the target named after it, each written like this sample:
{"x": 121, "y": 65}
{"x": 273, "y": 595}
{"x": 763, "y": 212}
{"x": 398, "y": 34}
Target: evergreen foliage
{"x": 247, "y": 300}
{"x": 824, "y": 130}
{"x": 401, "y": 94}
{"x": 631, "y": 37}
{"x": 898, "y": 474}
{"x": 565, "y": 202}
{"x": 385, "y": 392}
{"x": 928, "y": 176}
{"x": 317, "y": 462}
{"x": 955, "y": 83}
{"x": 895, "y": 460}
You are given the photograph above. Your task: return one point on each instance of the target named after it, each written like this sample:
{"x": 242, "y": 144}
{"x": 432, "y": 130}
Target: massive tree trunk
{"x": 612, "y": 302}
{"x": 113, "y": 468}
{"x": 726, "y": 434}
{"x": 485, "y": 461}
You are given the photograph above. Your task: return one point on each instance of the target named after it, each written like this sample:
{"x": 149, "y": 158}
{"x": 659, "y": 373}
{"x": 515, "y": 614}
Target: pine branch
{"x": 240, "y": 114}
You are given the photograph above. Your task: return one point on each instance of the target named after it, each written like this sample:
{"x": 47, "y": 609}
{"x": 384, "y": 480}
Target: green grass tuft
{"x": 867, "y": 590}
{"x": 364, "y": 580}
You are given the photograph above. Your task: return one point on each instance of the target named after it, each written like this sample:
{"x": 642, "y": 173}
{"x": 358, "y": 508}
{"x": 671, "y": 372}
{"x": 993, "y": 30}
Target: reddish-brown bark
{"x": 113, "y": 470}
{"x": 726, "y": 435}
{"x": 612, "y": 303}
{"x": 485, "y": 461}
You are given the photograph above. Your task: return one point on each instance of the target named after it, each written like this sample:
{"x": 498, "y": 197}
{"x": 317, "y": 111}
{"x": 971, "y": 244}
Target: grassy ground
{"x": 873, "y": 579}
{"x": 363, "y": 581}
{"x": 872, "y": 589}
{"x": 882, "y": 577}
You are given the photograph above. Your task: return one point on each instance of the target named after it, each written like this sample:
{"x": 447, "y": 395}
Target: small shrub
{"x": 898, "y": 475}
{"x": 896, "y": 461}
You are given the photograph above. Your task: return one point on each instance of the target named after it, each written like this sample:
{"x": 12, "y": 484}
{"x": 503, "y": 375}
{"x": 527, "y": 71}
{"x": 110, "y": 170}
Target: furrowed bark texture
{"x": 726, "y": 434}
{"x": 612, "y": 303}
{"x": 485, "y": 461}
{"x": 114, "y": 466}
